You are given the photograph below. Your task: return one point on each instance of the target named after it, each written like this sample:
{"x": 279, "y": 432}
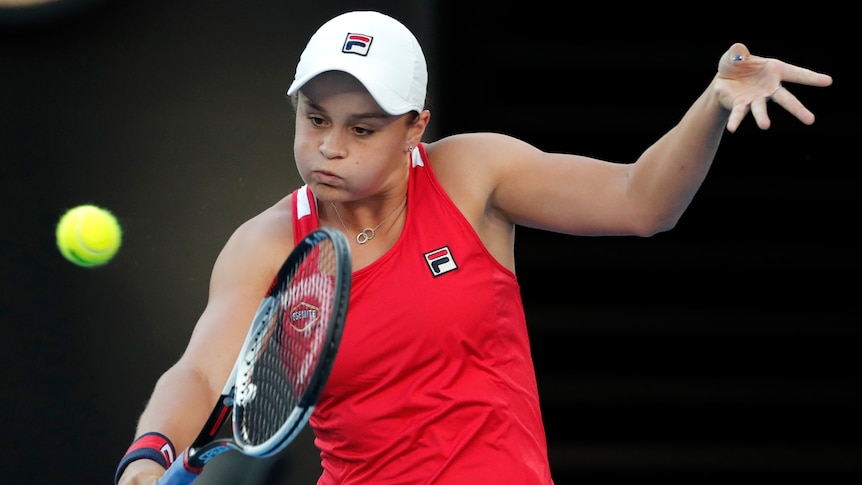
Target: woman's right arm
{"x": 186, "y": 393}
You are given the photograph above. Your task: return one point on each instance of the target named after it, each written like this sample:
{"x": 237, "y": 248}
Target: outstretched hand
{"x": 745, "y": 83}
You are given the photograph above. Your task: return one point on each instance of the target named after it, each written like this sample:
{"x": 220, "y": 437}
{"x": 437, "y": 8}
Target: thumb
{"x": 738, "y": 52}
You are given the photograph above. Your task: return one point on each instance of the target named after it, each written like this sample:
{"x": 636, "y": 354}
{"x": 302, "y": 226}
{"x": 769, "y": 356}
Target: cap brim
{"x": 387, "y": 100}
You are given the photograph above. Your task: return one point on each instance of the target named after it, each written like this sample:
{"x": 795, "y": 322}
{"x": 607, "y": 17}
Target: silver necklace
{"x": 368, "y": 233}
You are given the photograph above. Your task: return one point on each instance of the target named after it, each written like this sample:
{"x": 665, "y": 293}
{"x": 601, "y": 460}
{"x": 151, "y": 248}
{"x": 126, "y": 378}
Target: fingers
{"x": 749, "y": 82}
{"x": 733, "y": 58}
{"x": 738, "y": 52}
{"x": 740, "y": 111}
{"x": 791, "y": 103}
{"x": 737, "y": 114}
{"x": 801, "y": 75}
{"x": 784, "y": 98}
{"x": 760, "y": 114}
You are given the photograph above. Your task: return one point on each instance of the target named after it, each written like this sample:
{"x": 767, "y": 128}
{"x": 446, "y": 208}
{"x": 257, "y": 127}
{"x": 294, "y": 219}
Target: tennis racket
{"x": 285, "y": 360}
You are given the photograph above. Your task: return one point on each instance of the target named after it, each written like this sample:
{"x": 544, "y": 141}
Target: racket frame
{"x": 206, "y": 446}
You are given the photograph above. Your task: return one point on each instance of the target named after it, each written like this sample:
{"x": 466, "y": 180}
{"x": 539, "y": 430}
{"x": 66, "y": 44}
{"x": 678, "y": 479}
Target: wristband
{"x": 153, "y": 446}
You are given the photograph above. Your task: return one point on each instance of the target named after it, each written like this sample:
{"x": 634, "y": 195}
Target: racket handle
{"x": 178, "y": 473}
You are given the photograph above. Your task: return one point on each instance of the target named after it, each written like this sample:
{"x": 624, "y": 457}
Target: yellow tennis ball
{"x": 88, "y": 235}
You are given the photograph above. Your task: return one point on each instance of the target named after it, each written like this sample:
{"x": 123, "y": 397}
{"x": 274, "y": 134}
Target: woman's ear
{"x": 416, "y": 130}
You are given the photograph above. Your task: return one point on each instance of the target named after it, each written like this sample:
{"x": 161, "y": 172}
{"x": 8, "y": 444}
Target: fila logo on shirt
{"x": 357, "y": 44}
{"x": 440, "y": 261}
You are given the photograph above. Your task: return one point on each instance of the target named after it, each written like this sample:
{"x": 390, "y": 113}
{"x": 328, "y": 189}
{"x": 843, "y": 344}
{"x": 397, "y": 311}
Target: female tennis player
{"x": 434, "y": 381}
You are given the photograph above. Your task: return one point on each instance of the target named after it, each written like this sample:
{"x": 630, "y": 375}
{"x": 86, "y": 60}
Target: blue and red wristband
{"x": 152, "y": 446}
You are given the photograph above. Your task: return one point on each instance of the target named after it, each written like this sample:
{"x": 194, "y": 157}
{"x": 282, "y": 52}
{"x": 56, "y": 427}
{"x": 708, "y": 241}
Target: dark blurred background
{"x": 724, "y": 349}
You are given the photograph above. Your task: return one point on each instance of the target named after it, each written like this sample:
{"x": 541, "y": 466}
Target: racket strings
{"x": 283, "y": 369}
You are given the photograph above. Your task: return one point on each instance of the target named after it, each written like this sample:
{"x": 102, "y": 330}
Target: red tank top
{"x": 434, "y": 381}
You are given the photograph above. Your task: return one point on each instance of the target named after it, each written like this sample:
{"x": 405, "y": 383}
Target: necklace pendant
{"x": 366, "y": 235}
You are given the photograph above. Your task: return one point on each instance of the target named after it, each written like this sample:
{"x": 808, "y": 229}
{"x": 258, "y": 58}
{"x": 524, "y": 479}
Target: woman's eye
{"x": 316, "y": 121}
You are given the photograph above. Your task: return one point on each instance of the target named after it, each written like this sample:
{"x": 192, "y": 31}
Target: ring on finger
{"x": 772, "y": 93}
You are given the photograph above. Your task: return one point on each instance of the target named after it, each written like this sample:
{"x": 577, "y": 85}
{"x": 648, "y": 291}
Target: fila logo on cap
{"x": 440, "y": 261}
{"x": 357, "y": 44}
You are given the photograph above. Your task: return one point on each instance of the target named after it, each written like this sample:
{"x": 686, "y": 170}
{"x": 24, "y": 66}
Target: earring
{"x": 410, "y": 148}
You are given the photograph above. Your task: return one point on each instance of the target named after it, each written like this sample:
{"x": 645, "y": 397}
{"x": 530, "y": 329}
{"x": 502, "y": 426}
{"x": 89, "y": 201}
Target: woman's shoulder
{"x": 469, "y": 141}
{"x": 475, "y": 146}
{"x": 268, "y": 235}
{"x": 274, "y": 224}
{"x": 479, "y": 154}
{"x": 469, "y": 166}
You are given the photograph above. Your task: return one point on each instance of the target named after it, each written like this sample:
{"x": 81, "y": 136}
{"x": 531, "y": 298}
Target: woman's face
{"x": 346, "y": 147}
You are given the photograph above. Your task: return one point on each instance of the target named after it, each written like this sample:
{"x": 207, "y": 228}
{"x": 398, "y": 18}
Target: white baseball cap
{"x": 374, "y": 48}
